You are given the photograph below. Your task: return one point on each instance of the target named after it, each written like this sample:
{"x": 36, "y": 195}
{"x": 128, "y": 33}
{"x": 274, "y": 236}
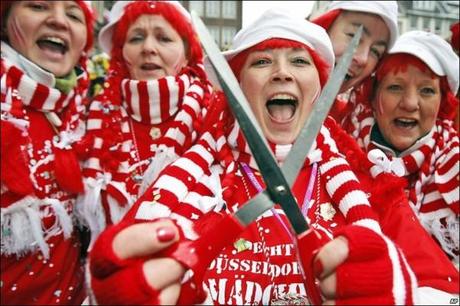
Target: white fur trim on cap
{"x": 434, "y": 51}
{"x": 117, "y": 11}
{"x": 388, "y": 10}
{"x": 279, "y": 23}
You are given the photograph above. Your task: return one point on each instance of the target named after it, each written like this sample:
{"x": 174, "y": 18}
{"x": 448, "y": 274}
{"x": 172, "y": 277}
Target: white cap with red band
{"x": 279, "y": 23}
{"x": 434, "y": 51}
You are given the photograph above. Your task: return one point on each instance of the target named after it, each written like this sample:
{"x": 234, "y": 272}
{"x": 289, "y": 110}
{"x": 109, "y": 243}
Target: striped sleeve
{"x": 447, "y": 171}
{"x": 345, "y": 190}
{"x": 180, "y": 188}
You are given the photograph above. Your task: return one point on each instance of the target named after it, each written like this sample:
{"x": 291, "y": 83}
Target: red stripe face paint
{"x": 15, "y": 30}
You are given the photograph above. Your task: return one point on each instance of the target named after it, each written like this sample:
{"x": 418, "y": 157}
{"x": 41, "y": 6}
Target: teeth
{"x": 406, "y": 120}
{"x": 55, "y": 40}
{"x": 283, "y": 97}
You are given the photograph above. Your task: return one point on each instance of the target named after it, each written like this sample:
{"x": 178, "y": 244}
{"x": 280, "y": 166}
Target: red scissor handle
{"x": 309, "y": 243}
{"x": 197, "y": 255}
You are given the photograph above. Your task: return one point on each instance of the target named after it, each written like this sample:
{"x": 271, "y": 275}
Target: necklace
{"x": 137, "y": 174}
{"x": 307, "y": 200}
{"x": 259, "y": 227}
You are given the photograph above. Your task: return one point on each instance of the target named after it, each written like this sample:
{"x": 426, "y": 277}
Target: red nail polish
{"x": 165, "y": 234}
{"x": 318, "y": 268}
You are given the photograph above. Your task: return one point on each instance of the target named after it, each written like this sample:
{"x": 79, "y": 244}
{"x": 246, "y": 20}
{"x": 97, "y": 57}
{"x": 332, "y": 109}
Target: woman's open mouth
{"x": 53, "y": 44}
{"x": 282, "y": 107}
{"x": 150, "y": 66}
{"x": 405, "y": 123}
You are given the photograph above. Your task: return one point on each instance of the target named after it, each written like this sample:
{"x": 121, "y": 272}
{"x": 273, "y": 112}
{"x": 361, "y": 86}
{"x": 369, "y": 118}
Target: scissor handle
{"x": 309, "y": 243}
{"x": 197, "y": 255}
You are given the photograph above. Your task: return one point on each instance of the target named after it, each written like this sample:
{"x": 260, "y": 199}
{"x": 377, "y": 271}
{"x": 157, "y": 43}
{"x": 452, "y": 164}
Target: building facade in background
{"x": 432, "y": 16}
{"x": 222, "y": 18}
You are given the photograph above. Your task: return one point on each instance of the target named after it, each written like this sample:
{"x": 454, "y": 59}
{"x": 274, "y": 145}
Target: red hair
{"x": 327, "y": 19}
{"x": 400, "y": 62}
{"x": 89, "y": 20}
{"x": 175, "y": 18}
{"x": 237, "y": 62}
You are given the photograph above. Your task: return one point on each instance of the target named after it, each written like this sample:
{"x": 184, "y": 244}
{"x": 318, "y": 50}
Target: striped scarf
{"x": 431, "y": 167}
{"x": 15, "y": 84}
{"x": 242, "y": 152}
{"x": 173, "y": 106}
{"x": 201, "y": 181}
{"x": 154, "y": 101}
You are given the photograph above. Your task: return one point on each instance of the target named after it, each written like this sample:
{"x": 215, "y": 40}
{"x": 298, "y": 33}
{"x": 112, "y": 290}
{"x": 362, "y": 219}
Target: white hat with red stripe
{"x": 434, "y": 51}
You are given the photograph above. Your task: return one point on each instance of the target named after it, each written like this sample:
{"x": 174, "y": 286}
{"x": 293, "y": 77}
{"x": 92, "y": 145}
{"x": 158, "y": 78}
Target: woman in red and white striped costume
{"x": 151, "y": 107}
{"x": 282, "y": 64}
{"x": 407, "y": 128}
{"x": 43, "y": 90}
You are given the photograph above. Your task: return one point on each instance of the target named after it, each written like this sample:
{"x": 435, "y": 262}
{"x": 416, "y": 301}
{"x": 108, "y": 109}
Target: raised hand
{"x": 124, "y": 268}
{"x": 361, "y": 266}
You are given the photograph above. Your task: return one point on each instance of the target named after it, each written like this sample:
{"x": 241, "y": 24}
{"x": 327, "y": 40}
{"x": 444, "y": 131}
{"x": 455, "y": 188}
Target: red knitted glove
{"x": 116, "y": 281}
{"x": 375, "y": 272}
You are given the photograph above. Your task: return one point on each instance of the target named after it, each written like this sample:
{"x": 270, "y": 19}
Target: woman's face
{"x": 52, "y": 34}
{"x": 406, "y": 106}
{"x": 280, "y": 85}
{"x": 372, "y": 46}
{"x": 153, "y": 49}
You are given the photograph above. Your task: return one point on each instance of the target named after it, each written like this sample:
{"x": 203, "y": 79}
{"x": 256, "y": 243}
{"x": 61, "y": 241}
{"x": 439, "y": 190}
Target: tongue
{"x": 51, "y": 46}
{"x": 281, "y": 112}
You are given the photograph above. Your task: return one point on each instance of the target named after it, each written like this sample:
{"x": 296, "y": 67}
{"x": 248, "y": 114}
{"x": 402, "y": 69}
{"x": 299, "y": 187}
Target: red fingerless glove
{"x": 115, "y": 281}
{"x": 375, "y": 272}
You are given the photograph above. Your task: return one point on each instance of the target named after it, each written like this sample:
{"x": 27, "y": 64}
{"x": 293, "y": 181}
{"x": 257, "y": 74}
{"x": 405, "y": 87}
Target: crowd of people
{"x": 125, "y": 193}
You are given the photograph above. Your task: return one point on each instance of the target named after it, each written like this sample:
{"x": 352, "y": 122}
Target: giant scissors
{"x": 197, "y": 255}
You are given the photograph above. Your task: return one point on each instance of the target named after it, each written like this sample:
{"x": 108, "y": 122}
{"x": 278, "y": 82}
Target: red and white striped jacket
{"x": 138, "y": 129}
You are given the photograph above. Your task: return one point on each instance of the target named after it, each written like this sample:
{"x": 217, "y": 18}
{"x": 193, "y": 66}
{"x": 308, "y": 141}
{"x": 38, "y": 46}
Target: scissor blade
{"x": 277, "y": 187}
{"x": 225, "y": 74}
{"x": 254, "y": 208}
{"x": 309, "y": 132}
